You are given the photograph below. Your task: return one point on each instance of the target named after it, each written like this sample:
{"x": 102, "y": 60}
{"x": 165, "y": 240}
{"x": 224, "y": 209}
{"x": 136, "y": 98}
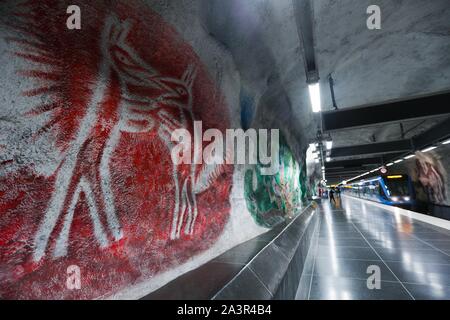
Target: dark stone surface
{"x": 243, "y": 253}
{"x": 199, "y": 284}
{"x": 246, "y": 286}
{"x": 270, "y": 266}
{"x": 279, "y": 266}
{"x": 266, "y": 267}
{"x": 299, "y": 265}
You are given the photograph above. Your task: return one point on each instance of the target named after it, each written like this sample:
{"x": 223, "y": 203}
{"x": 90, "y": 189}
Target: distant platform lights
{"x": 317, "y": 148}
{"x": 316, "y": 105}
{"x": 314, "y": 149}
{"x": 390, "y": 164}
{"x": 429, "y": 149}
{"x": 329, "y": 143}
{"x": 436, "y": 145}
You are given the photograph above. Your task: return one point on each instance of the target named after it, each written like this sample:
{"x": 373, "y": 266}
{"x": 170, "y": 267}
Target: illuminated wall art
{"x": 273, "y": 198}
{"x": 86, "y": 176}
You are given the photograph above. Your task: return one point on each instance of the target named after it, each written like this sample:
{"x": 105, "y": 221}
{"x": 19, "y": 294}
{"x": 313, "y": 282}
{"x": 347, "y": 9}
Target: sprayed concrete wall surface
{"x": 86, "y": 178}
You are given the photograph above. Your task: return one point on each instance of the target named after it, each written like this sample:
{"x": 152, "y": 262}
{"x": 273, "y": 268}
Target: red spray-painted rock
{"x": 115, "y": 206}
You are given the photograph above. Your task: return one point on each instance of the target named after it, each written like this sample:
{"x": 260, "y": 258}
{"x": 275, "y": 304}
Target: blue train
{"x": 397, "y": 190}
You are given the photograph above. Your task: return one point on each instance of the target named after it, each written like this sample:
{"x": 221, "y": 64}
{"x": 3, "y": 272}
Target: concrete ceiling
{"x": 263, "y": 40}
{"x": 409, "y": 56}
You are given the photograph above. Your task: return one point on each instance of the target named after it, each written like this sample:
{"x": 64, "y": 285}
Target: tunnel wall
{"x": 273, "y": 198}
{"x": 87, "y": 187}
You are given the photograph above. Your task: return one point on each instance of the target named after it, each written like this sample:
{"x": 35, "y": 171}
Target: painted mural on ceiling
{"x": 275, "y": 198}
{"x": 88, "y": 180}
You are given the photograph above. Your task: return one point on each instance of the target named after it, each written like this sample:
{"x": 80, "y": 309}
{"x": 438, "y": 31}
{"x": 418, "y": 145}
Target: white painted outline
{"x": 131, "y": 109}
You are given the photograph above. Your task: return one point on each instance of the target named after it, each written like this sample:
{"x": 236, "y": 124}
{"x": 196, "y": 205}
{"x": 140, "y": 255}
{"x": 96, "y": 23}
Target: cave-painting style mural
{"x": 105, "y": 100}
{"x": 432, "y": 176}
{"x": 273, "y": 198}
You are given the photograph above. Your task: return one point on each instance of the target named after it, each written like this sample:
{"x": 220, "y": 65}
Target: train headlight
{"x": 406, "y": 198}
{"x": 394, "y": 199}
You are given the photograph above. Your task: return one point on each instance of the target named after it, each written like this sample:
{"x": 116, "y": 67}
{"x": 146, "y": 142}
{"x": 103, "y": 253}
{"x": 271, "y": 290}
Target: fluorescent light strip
{"x": 314, "y": 95}
{"x": 398, "y": 161}
{"x": 409, "y": 157}
{"x": 429, "y": 149}
{"x": 390, "y": 164}
{"x": 446, "y": 142}
{"x": 372, "y": 180}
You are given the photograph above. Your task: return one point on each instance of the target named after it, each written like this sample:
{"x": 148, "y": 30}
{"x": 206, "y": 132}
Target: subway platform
{"x": 349, "y": 250}
{"x": 354, "y": 235}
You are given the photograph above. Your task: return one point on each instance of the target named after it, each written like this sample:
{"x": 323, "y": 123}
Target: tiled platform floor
{"x": 413, "y": 257}
{"x": 204, "y": 282}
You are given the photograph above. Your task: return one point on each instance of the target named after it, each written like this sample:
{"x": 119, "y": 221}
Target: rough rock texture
{"x": 86, "y": 174}
{"x": 407, "y": 57}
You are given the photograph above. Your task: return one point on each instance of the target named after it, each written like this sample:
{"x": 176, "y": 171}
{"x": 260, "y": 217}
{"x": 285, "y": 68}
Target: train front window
{"x": 397, "y": 187}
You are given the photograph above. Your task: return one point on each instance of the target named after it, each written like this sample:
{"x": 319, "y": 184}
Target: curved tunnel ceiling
{"x": 408, "y": 56}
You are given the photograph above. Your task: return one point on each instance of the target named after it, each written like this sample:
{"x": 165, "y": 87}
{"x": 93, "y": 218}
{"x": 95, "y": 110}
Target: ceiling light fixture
{"x": 329, "y": 144}
{"x": 314, "y": 95}
{"x": 429, "y": 149}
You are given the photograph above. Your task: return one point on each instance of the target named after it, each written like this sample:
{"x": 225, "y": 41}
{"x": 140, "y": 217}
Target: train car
{"x": 396, "y": 190}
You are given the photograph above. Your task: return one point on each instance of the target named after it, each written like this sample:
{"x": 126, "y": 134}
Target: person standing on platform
{"x": 331, "y": 193}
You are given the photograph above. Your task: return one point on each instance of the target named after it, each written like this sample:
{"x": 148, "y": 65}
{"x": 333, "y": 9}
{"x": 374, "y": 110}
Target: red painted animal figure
{"x": 148, "y": 101}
